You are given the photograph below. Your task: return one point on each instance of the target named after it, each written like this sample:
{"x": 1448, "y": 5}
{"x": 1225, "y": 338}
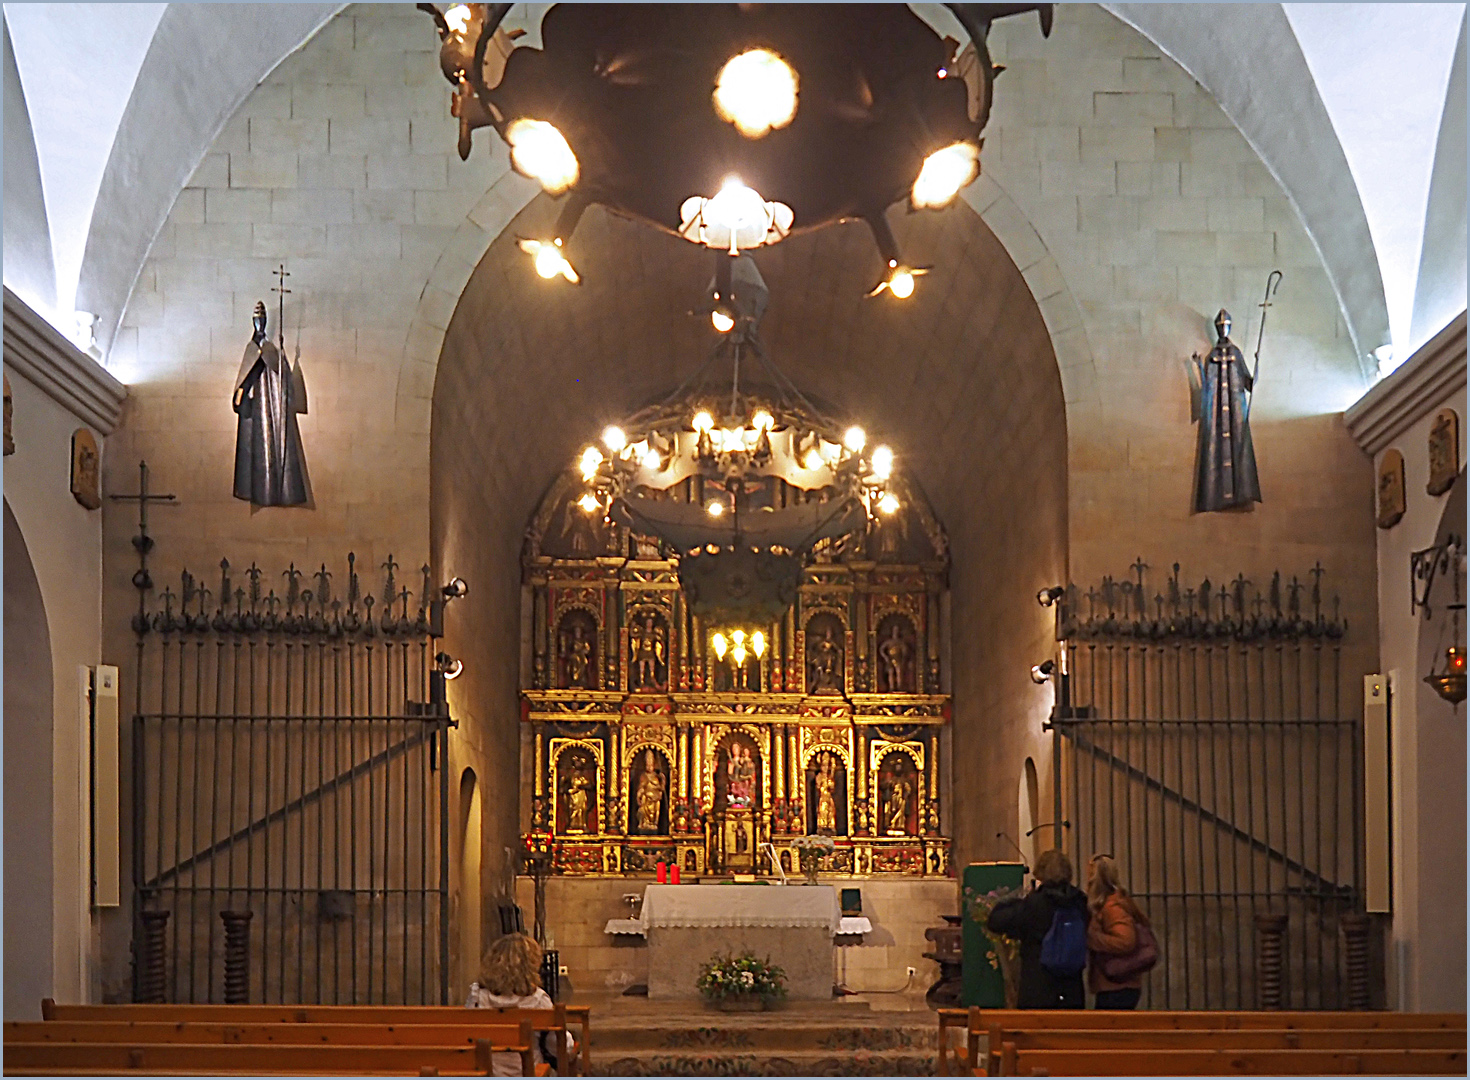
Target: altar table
{"x": 686, "y": 925}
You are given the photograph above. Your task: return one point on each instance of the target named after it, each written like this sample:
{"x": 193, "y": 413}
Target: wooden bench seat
{"x": 286, "y": 1060}
{"x": 553, "y": 1020}
{"x": 1016, "y": 1062}
{"x": 157, "y": 1031}
{"x": 1234, "y": 1039}
{"x": 979, "y": 1022}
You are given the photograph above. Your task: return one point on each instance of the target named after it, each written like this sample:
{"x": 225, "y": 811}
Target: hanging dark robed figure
{"x": 270, "y": 469}
{"x": 1225, "y": 466}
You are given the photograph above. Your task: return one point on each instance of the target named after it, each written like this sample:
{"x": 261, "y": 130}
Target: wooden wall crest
{"x": 1390, "y": 489}
{"x": 86, "y": 469}
{"x": 1444, "y": 452}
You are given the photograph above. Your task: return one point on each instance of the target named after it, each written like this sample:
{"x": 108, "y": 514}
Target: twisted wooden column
{"x": 1355, "y": 928}
{"x": 1270, "y": 934}
{"x": 150, "y": 984}
{"x": 237, "y": 956}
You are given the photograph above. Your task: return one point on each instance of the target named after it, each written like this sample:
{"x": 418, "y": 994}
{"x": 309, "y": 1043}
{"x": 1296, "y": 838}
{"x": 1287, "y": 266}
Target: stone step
{"x": 761, "y": 1033}
{"x": 698, "y": 1061}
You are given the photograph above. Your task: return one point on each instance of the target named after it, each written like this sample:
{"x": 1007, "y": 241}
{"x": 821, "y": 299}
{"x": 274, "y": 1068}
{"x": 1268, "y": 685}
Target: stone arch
{"x": 962, "y": 380}
{"x": 28, "y": 781}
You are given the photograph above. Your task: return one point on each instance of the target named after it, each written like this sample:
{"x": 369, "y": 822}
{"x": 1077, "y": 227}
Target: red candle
{"x": 675, "y": 869}
{"x": 663, "y": 872}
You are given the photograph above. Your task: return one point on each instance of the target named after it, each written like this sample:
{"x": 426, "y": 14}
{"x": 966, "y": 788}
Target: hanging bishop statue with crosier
{"x": 1222, "y": 390}
{"x": 270, "y": 468}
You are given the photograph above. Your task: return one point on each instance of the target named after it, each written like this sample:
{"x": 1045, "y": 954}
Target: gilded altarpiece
{"x": 645, "y": 746}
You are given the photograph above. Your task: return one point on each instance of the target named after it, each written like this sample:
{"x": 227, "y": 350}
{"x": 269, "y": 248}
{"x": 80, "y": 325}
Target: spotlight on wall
{"x": 448, "y": 666}
{"x": 1042, "y": 673}
{"x": 455, "y": 589}
{"x": 1048, "y": 597}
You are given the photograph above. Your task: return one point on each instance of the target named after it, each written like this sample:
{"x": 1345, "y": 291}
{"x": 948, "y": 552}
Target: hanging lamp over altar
{"x": 731, "y": 125}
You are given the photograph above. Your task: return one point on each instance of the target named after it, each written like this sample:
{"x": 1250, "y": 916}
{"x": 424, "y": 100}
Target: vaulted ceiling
{"x": 1344, "y": 103}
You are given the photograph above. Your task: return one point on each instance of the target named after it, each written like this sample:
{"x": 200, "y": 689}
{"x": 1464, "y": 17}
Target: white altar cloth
{"x": 686, "y": 925}
{"x": 741, "y": 905}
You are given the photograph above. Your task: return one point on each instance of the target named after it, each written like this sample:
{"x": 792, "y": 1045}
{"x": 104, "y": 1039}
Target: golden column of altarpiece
{"x": 644, "y": 746}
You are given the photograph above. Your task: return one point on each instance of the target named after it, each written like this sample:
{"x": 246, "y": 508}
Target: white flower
{"x": 747, "y": 978}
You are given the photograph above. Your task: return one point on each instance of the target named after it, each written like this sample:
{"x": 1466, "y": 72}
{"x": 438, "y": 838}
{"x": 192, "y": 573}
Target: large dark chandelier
{"x": 734, "y": 426}
{"x": 731, "y": 125}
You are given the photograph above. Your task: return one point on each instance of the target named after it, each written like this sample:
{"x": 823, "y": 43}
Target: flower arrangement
{"x": 811, "y": 850}
{"x": 1004, "y": 954}
{"x": 741, "y": 977}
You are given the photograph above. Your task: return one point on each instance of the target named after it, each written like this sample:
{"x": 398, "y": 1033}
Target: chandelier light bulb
{"x": 588, "y": 502}
{"x": 901, "y": 284}
{"x": 703, "y": 421}
{"x": 549, "y": 260}
{"x": 591, "y": 459}
{"x": 888, "y": 503}
{"x": 736, "y": 207}
{"x": 758, "y": 644}
{"x": 882, "y": 462}
{"x": 614, "y": 439}
{"x": 812, "y": 461}
{"x": 739, "y": 637}
{"x": 716, "y": 509}
{"x": 458, "y": 18}
{"x": 944, "y": 173}
{"x": 540, "y": 151}
{"x": 652, "y": 461}
{"x": 718, "y": 641}
{"x": 721, "y": 322}
{"x": 756, "y": 91}
{"x": 739, "y": 654}
{"x": 763, "y": 421}
{"x": 855, "y": 438}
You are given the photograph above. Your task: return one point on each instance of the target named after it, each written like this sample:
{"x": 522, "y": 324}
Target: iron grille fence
{"x": 1201, "y": 739}
{"x": 286, "y": 758}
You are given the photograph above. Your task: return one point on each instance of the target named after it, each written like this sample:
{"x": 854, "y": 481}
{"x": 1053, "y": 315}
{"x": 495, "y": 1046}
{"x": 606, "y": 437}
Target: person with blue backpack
{"x": 1050, "y": 922}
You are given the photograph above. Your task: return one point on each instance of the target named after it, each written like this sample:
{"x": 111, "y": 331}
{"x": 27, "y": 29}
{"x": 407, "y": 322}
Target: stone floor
{"x": 862, "y": 1035}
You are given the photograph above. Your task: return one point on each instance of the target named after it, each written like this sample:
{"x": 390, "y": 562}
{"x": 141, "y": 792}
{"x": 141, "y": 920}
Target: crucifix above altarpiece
{"x": 645, "y": 744}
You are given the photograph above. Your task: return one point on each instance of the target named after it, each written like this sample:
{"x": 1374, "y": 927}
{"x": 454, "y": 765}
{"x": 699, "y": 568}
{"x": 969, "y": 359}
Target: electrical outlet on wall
{"x": 912, "y": 972}
{"x": 561, "y": 969}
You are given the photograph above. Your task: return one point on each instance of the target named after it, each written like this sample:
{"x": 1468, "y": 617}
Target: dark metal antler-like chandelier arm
{"x": 976, "y": 19}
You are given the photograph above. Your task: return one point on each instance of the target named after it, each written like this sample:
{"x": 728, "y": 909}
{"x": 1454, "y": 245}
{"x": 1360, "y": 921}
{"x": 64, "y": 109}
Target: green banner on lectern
{"x": 983, "y": 983}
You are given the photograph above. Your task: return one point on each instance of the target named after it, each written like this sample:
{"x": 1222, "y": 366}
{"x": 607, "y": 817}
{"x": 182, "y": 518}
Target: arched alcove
{"x": 961, "y": 380}
{"x": 28, "y": 771}
{"x": 1029, "y": 798}
{"x": 471, "y": 888}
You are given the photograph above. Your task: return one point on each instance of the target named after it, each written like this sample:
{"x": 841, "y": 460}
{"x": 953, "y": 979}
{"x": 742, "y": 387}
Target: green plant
{"x": 1004, "y": 954}
{"x": 741, "y": 976}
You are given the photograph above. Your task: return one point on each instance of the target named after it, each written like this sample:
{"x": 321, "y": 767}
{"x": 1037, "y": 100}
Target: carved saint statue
{"x": 650, "y": 793}
{"x": 577, "y": 802}
{"x": 896, "y": 811}
{"x": 578, "y": 653}
{"x": 826, "y": 784}
{"x": 895, "y": 655}
{"x": 647, "y": 646}
{"x": 740, "y": 773}
{"x": 824, "y": 665}
{"x": 270, "y": 468}
{"x": 1225, "y": 466}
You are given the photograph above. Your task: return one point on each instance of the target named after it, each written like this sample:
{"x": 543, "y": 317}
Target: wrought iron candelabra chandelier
{"x": 740, "y": 543}
{"x": 730, "y": 125}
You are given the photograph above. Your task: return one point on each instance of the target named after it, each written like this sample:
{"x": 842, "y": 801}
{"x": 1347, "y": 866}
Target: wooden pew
{"x": 1234, "y": 1039}
{"x": 553, "y": 1020}
{"x": 1016, "y": 1062}
{"x": 60, "y": 1058}
{"x": 981, "y": 1020}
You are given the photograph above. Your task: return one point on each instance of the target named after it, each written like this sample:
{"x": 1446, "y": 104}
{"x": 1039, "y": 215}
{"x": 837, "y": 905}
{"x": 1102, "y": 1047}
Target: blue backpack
{"x": 1064, "y": 948}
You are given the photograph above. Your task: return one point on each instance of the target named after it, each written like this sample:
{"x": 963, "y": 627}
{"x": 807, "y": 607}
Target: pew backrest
{"x": 1016, "y": 1062}
{"x": 314, "y": 1059}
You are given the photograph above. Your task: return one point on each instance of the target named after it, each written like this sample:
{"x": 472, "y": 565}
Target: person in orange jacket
{"x": 1111, "y": 931}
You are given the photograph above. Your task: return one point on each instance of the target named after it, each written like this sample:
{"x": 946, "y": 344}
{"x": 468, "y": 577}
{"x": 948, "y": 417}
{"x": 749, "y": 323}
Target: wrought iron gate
{"x": 290, "y": 810}
{"x": 1201, "y": 739}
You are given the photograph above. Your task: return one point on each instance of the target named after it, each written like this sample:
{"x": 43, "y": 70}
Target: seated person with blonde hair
{"x": 510, "y": 978}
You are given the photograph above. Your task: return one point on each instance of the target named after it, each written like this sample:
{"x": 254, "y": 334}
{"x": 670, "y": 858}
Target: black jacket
{"x": 1028, "y": 919}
